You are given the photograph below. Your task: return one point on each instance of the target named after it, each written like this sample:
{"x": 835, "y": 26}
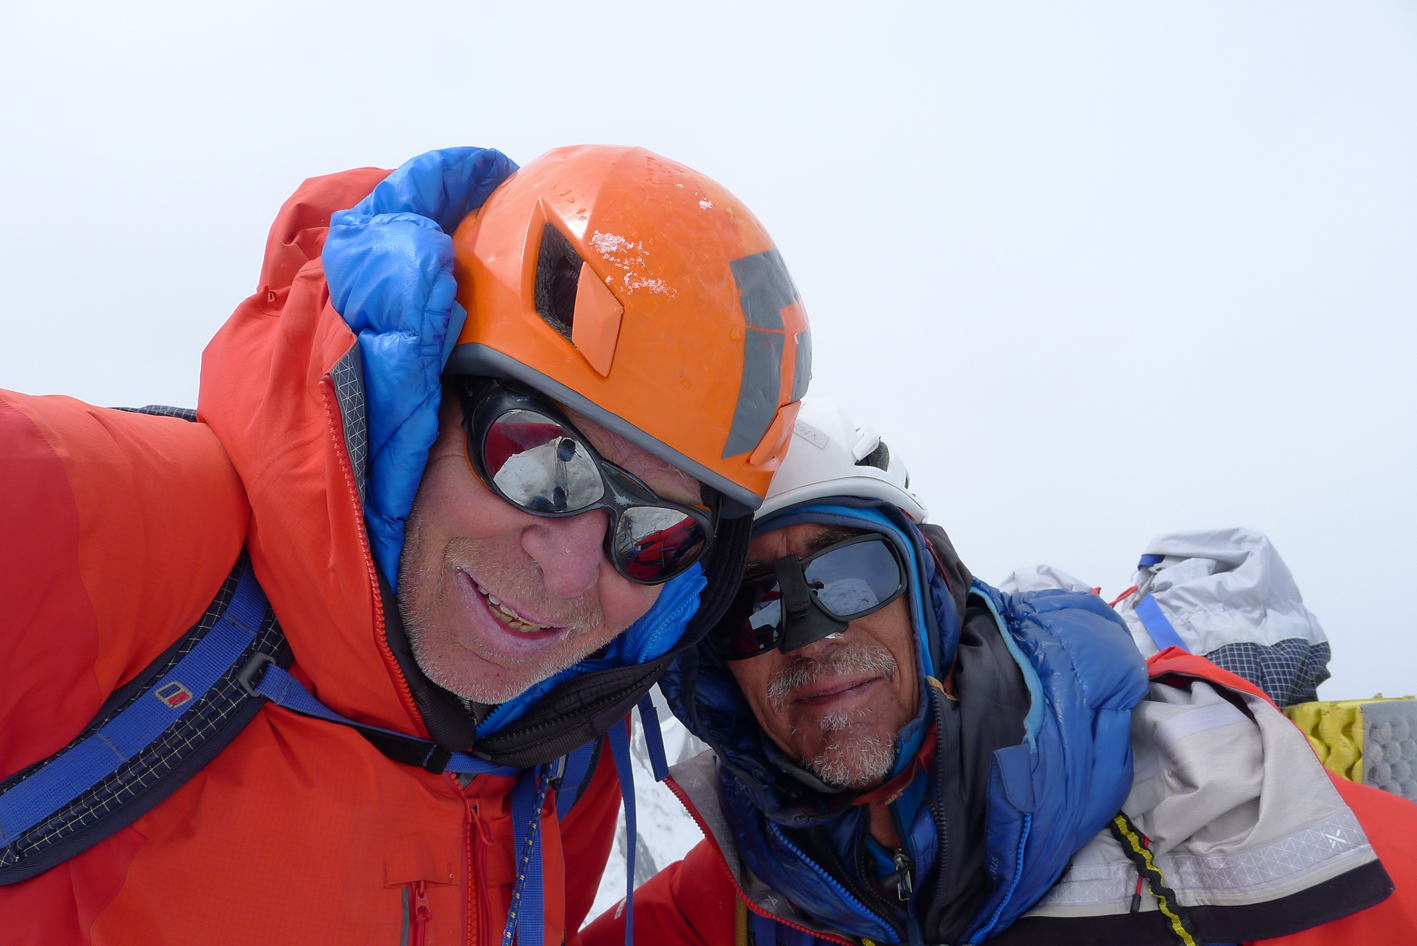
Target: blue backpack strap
{"x": 769, "y": 932}
{"x": 1154, "y": 620}
{"x": 160, "y": 729}
{"x": 574, "y": 772}
{"x": 152, "y": 734}
{"x": 654, "y": 739}
{"x": 83, "y": 764}
{"x": 282, "y": 689}
{"x": 526, "y": 920}
{"x": 764, "y": 929}
{"x": 619, "y": 742}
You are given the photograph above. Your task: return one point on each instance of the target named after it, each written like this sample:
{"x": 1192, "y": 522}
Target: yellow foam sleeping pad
{"x": 1373, "y": 742}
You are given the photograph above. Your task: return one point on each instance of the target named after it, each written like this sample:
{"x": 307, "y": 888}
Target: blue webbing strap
{"x": 654, "y": 739}
{"x": 282, "y": 689}
{"x": 577, "y": 762}
{"x": 83, "y": 765}
{"x": 526, "y": 919}
{"x": 764, "y": 929}
{"x": 768, "y": 932}
{"x": 792, "y": 936}
{"x": 620, "y": 749}
{"x": 1160, "y": 629}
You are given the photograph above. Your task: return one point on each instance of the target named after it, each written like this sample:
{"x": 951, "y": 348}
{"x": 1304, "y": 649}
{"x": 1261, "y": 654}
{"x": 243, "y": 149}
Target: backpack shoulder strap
{"x": 160, "y": 729}
{"x": 149, "y": 737}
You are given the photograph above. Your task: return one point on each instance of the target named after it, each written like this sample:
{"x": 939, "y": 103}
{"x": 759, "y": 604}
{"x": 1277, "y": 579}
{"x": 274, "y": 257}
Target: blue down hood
{"x": 1047, "y": 796}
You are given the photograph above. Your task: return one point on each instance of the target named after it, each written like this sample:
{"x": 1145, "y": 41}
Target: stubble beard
{"x": 423, "y": 581}
{"x": 854, "y": 755}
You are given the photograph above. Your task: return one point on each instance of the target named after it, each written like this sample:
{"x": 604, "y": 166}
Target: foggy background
{"x": 1097, "y": 271}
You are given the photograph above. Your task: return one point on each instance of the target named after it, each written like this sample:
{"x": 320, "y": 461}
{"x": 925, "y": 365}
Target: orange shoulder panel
{"x": 119, "y": 529}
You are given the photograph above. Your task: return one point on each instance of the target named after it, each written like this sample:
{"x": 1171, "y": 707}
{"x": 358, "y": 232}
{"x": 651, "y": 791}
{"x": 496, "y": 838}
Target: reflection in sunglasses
{"x": 536, "y": 460}
{"x": 848, "y": 596}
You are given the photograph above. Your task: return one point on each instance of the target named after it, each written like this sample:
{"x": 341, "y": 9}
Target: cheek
{"x": 451, "y": 503}
{"x": 752, "y": 677}
{"x": 623, "y": 602}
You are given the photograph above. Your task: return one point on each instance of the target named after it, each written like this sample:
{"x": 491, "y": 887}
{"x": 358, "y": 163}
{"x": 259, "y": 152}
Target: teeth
{"x": 509, "y": 617}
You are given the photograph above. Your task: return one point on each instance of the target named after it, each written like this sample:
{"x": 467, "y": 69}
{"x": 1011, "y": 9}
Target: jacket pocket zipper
{"x": 419, "y": 914}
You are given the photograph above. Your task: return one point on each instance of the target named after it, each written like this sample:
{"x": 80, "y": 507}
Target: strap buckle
{"x": 248, "y": 677}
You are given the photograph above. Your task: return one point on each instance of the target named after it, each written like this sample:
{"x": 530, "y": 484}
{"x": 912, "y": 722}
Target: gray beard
{"x": 854, "y": 757}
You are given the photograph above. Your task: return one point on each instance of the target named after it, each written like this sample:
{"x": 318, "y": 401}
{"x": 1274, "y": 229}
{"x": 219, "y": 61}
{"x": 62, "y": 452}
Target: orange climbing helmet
{"x": 643, "y": 295}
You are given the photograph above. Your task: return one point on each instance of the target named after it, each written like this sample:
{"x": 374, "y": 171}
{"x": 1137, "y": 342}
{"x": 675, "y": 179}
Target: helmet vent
{"x": 558, "y": 271}
{"x": 880, "y": 457}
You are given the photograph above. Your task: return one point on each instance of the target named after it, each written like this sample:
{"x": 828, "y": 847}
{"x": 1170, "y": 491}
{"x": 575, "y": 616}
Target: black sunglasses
{"x": 795, "y": 602}
{"x": 526, "y": 451}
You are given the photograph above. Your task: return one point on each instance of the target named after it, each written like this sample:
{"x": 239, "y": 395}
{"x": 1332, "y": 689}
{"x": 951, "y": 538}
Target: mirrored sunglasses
{"x": 525, "y": 450}
{"x": 848, "y": 580}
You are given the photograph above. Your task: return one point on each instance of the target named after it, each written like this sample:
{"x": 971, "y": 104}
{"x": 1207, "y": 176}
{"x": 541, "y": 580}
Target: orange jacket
{"x": 118, "y": 529}
{"x": 697, "y": 902}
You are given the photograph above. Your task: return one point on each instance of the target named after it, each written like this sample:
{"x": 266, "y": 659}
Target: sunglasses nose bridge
{"x": 804, "y": 622}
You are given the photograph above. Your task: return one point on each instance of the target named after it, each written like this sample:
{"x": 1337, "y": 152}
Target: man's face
{"x": 836, "y": 705}
{"x": 495, "y": 599}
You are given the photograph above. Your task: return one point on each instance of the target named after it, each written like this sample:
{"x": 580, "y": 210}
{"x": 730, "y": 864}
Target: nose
{"x": 822, "y": 645}
{"x": 569, "y": 551}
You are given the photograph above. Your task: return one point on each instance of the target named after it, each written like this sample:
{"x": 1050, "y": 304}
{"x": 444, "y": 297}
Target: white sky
{"x": 1099, "y": 271}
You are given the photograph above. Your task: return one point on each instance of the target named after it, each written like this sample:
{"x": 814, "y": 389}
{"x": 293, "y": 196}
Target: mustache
{"x": 869, "y": 659}
{"x": 579, "y": 615}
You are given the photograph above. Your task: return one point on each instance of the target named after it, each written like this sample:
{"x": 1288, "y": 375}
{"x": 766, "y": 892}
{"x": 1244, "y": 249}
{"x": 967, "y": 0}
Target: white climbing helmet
{"x": 830, "y": 456}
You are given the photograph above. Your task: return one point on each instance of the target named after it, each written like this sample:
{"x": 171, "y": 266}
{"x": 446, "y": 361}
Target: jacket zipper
{"x": 489, "y": 745}
{"x": 420, "y": 914}
{"x": 852, "y": 901}
{"x": 479, "y": 838}
{"x": 877, "y": 907}
{"x": 748, "y": 901}
{"x": 942, "y": 828}
{"x": 335, "y": 418}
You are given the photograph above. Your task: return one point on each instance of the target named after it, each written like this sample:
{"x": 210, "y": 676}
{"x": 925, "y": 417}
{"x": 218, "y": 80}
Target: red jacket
{"x": 118, "y": 529}
{"x": 697, "y": 902}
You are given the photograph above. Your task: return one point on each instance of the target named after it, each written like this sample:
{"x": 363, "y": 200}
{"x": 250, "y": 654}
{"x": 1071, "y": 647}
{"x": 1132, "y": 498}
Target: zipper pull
{"x": 418, "y": 925}
{"x": 901, "y": 880}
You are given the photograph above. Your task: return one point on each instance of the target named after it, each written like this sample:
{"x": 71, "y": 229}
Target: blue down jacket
{"x": 1045, "y": 797}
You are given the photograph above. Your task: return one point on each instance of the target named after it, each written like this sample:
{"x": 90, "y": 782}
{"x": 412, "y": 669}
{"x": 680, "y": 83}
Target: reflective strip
{"x": 1200, "y": 719}
{"x": 765, "y": 289}
{"x": 1227, "y": 879}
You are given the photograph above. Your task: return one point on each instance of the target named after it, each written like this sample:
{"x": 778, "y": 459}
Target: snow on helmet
{"x": 830, "y": 456}
{"x": 643, "y": 295}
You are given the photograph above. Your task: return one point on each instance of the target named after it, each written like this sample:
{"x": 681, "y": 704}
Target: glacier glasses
{"x": 795, "y": 602}
{"x": 525, "y": 449}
